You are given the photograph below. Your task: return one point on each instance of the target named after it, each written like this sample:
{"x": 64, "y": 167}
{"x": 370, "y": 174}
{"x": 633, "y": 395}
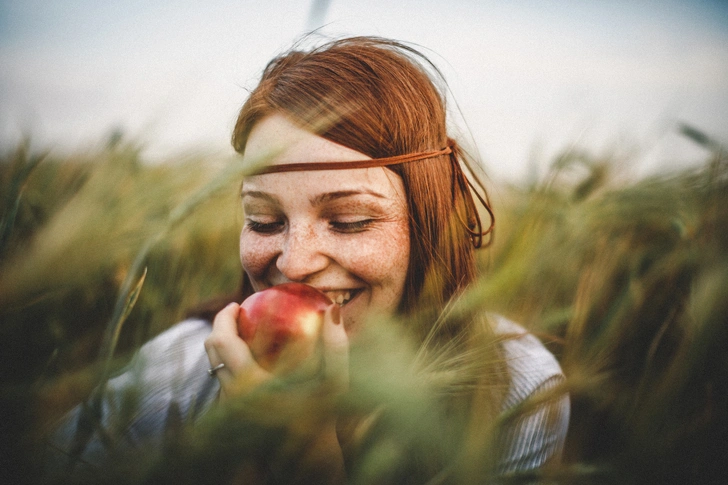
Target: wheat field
{"x": 625, "y": 280}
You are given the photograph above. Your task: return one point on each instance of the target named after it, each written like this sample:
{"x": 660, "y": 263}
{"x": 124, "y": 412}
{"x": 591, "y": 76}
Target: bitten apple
{"x": 281, "y": 324}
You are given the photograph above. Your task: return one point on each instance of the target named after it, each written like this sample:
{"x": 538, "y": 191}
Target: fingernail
{"x": 336, "y": 314}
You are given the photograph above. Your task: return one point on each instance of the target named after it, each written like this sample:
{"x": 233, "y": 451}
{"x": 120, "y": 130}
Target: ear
{"x": 246, "y": 327}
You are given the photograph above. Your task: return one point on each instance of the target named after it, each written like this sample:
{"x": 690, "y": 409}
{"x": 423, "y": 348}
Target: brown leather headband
{"x": 461, "y": 183}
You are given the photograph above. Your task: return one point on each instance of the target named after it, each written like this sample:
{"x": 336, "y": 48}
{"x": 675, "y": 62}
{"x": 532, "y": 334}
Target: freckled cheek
{"x": 382, "y": 262}
{"x": 256, "y": 255}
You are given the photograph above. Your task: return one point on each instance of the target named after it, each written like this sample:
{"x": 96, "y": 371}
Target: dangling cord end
{"x": 472, "y": 224}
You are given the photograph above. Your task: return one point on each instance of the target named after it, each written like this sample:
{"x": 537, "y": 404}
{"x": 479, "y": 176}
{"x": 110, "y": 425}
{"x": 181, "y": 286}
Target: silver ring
{"x": 213, "y": 370}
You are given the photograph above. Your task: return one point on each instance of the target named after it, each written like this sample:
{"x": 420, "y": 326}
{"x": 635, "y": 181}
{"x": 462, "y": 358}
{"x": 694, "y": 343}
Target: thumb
{"x": 335, "y": 348}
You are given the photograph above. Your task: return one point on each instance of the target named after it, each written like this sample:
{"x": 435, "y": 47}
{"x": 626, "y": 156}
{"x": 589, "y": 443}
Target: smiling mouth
{"x": 342, "y": 297}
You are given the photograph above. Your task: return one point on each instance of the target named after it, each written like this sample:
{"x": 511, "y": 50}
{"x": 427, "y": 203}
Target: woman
{"x": 364, "y": 197}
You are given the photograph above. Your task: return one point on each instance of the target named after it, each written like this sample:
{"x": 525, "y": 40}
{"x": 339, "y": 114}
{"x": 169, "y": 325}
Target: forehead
{"x": 276, "y": 140}
{"x": 302, "y": 187}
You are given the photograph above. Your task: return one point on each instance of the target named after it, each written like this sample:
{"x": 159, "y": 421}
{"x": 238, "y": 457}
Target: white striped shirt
{"x": 170, "y": 372}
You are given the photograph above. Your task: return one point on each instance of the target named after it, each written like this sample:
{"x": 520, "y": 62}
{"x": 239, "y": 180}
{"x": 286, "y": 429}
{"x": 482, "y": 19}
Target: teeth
{"x": 341, "y": 298}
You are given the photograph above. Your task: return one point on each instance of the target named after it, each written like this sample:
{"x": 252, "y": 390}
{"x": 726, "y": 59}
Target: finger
{"x": 335, "y": 347}
{"x": 220, "y": 331}
{"x": 226, "y": 319}
{"x": 224, "y": 345}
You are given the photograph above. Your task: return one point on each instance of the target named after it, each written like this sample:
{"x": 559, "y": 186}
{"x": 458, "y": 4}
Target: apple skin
{"x": 281, "y": 324}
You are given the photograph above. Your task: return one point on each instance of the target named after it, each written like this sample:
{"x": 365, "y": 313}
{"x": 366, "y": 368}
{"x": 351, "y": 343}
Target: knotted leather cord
{"x": 460, "y": 183}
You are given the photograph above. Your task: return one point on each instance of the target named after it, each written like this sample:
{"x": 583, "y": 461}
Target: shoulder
{"x": 167, "y": 377}
{"x": 172, "y": 361}
{"x": 537, "y": 436}
{"x": 531, "y": 366}
{"x": 180, "y": 340}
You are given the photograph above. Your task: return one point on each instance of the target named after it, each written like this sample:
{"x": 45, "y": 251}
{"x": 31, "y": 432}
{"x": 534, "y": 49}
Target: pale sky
{"x": 530, "y": 77}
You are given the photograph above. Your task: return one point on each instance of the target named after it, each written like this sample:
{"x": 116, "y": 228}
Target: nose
{"x": 302, "y": 254}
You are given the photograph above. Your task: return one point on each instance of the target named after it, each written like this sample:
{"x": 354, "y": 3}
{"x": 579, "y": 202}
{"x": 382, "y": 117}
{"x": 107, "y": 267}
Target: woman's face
{"x": 344, "y": 232}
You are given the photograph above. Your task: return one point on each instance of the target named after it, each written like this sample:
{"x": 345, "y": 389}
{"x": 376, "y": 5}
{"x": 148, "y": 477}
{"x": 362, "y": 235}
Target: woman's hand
{"x": 335, "y": 348}
{"x": 241, "y": 373}
{"x": 324, "y": 453}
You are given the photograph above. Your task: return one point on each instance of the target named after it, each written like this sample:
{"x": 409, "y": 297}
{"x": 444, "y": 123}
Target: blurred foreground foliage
{"x": 626, "y": 281}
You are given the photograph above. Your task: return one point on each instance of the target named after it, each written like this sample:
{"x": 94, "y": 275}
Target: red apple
{"x": 281, "y": 324}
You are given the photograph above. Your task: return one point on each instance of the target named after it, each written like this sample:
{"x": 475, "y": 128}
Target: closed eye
{"x": 351, "y": 227}
{"x": 264, "y": 227}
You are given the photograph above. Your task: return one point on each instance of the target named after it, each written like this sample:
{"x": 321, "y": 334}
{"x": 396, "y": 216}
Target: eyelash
{"x": 351, "y": 227}
{"x": 344, "y": 227}
{"x": 264, "y": 227}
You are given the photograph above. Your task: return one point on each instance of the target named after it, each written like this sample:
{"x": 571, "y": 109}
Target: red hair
{"x": 378, "y": 97}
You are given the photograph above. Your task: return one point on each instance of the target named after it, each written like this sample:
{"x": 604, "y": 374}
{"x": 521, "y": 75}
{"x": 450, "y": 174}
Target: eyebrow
{"x": 317, "y": 200}
{"x": 329, "y": 196}
{"x": 259, "y": 195}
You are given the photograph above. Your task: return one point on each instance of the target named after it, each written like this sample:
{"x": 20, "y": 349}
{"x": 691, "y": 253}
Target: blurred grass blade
{"x": 20, "y": 176}
{"x": 89, "y": 420}
{"x": 700, "y": 137}
{"x": 129, "y": 305}
{"x": 125, "y": 303}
